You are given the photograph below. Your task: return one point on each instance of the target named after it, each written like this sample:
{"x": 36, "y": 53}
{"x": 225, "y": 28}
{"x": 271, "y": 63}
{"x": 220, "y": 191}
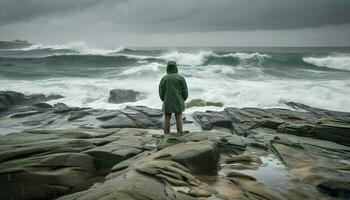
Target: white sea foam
{"x": 243, "y": 56}
{"x": 79, "y": 47}
{"x": 210, "y": 71}
{"x": 332, "y": 95}
{"x": 341, "y": 61}
{"x": 202, "y": 56}
{"x": 221, "y": 69}
{"x": 141, "y": 70}
{"x": 210, "y": 86}
{"x": 187, "y": 58}
{"x": 141, "y": 58}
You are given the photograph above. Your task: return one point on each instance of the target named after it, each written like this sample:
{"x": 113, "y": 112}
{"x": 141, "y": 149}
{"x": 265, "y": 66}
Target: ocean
{"x": 239, "y": 77}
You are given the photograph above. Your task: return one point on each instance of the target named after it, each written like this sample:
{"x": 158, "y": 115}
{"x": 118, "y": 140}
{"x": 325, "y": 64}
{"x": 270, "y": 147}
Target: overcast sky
{"x": 178, "y": 22}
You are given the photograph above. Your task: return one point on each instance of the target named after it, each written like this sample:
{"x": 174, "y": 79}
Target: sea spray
{"x": 79, "y": 47}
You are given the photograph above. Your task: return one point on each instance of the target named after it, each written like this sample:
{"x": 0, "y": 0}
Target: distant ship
{"x": 15, "y": 44}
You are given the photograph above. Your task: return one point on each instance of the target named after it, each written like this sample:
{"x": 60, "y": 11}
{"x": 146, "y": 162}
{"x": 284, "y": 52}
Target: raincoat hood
{"x": 171, "y": 67}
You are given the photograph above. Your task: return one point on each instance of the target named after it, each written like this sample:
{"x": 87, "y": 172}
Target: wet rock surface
{"x": 62, "y": 152}
{"x": 122, "y": 96}
{"x": 307, "y": 121}
{"x": 133, "y": 163}
{"x": 24, "y": 117}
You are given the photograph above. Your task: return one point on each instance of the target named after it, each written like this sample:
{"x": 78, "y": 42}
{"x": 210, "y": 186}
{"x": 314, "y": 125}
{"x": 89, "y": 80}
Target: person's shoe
{"x": 185, "y": 132}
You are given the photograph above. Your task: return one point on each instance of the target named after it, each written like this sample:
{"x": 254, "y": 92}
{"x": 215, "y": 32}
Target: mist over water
{"x": 253, "y": 77}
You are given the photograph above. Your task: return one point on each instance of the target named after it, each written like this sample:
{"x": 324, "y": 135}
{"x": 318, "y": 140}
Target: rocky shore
{"x": 62, "y": 152}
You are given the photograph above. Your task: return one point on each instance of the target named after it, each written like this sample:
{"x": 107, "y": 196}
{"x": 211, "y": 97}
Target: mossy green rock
{"x": 202, "y": 103}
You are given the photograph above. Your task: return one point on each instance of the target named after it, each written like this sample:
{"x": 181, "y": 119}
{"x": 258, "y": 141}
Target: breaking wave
{"x": 85, "y": 75}
{"x": 341, "y": 61}
{"x": 242, "y": 55}
{"x": 188, "y": 58}
{"x": 76, "y": 47}
{"x": 206, "y": 57}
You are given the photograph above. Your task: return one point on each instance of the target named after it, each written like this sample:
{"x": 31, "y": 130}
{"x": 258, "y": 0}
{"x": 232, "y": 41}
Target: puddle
{"x": 272, "y": 172}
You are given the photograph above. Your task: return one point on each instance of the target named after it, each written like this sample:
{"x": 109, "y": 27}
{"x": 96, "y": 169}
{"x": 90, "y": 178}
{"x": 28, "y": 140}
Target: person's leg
{"x": 167, "y": 117}
{"x": 178, "y": 117}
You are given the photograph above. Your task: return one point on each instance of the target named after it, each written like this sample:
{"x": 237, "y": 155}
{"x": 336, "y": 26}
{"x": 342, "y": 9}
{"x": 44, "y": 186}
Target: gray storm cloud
{"x": 78, "y": 18}
{"x": 14, "y": 11}
{"x": 182, "y": 15}
{"x": 236, "y": 14}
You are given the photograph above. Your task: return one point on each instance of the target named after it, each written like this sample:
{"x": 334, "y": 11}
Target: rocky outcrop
{"x": 64, "y": 152}
{"x": 199, "y": 157}
{"x": 94, "y": 163}
{"x": 50, "y": 163}
{"x": 119, "y": 164}
{"x": 11, "y": 98}
{"x": 169, "y": 173}
{"x": 210, "y": 119}
{"x": 121, "y": 96}
{"x": 132, "y": 116}
{"x": 311, "y": 122}
{"x": 43, "y": 115}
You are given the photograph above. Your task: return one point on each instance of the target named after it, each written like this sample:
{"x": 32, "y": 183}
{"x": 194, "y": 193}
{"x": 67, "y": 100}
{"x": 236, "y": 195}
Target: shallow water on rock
{"x": 345, "y": 175}
{"x": 272, "y": 172}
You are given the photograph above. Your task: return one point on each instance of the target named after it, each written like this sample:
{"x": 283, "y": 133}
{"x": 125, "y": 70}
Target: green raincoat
{"x": 173, "y": 90}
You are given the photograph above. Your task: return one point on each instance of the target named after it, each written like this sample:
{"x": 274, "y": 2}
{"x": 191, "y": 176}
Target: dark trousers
{"x": 167, "y": 118}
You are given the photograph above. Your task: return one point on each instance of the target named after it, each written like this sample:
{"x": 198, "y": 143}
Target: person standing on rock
{"x": 173, "y": 92}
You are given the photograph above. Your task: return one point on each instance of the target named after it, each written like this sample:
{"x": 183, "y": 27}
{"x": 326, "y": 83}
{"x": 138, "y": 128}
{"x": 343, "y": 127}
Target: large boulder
{"x": 199, "y": 157}
{"x": 10, "y": 98}
{"x": 208, "y": 120}
{"x": 122, "y": 96}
